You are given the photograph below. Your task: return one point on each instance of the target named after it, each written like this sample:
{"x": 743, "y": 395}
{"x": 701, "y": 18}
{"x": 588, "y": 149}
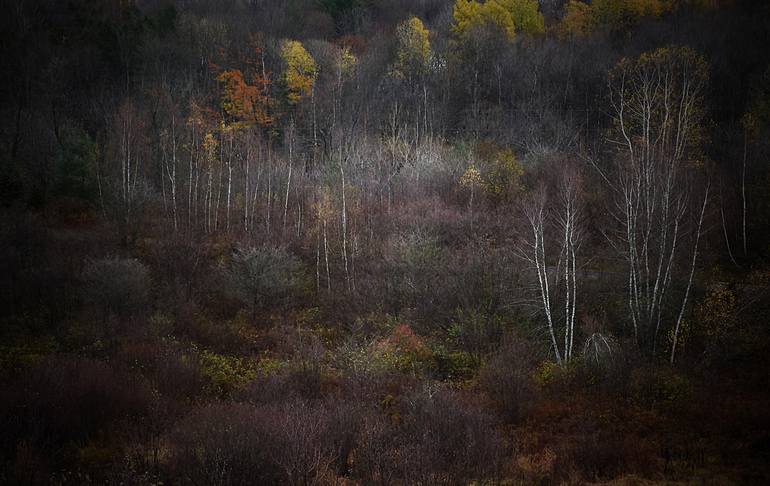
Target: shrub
{"x": 598, "y": 350}
{"x": 181, "y": 265}
{"x": 441, "y": 438}
{"x": 402, "y": 350}
{"x": 66, "y": 400}
{"x": 240, "y": 444}
{"x": 76, "y": 169}
{"x": 226, "y": 374}
{"x": 118, "y": 286}
{"x": 283, "y": 385}
{"x": 476, "y": 332}
{"x": 221, "y": 444}
{"x": 454, "y": 365}
{"x": 264, "y": 276}
{"x": 659, "y": 388}
{"x": 173, "y": 370}
{"x": 507, "y": 379}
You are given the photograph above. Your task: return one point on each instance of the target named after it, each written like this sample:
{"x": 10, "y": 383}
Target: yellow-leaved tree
{"x": 526, "y": 15}
{"x": 301, "y": 71}
{"x": 620, "y": 15}
{"x": 414, "y": 51}
{"x": 577, "y": 19}
{"x": 509, "y": 16}
{"x": 346, "y": 61}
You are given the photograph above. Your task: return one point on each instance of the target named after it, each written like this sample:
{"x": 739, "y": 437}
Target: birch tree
{"x": 657, "y": 109}
{"x": 169, "y": 144}
{"x": 127, "y": 184}
{"x": 551, "y": 247}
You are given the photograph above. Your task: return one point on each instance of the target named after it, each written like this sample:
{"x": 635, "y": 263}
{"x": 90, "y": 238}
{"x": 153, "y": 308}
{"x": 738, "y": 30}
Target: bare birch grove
{"x": 656, "y": 103}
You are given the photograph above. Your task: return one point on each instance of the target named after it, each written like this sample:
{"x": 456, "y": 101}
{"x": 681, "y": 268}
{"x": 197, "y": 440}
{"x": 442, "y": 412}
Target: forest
{"x": 384, "y": 242}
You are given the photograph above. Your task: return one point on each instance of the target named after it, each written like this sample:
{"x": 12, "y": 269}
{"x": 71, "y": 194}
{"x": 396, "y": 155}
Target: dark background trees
{"x": 316, "y": 241}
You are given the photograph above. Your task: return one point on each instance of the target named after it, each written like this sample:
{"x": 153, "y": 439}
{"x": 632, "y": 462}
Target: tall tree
{"x": 300, "y": 71}
{"x": 657, "y": 107}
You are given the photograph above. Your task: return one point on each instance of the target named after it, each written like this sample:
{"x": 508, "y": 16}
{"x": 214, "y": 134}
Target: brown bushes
{"x": 295, "y": 442}
{"x": 437, "y": 437}
{"x": 63, "y": 403}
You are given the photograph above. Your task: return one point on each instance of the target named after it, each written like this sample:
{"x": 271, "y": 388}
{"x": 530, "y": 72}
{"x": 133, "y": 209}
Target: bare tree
{"x": 555, "y": 225}
{"x": 689, "y": 280}
{"x": 656, "y": 106}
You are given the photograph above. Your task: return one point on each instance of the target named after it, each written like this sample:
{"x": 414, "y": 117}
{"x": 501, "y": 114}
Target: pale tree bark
{"x": 743, "y": 189}
{"x": 169, "y": 169}
{"x": 318, "y": 254}
{"x": 246, "y": 187}
{"x": 724, "y": 228}
{"x": 220, "y": 169}
{"x": 556, "y": 225}
{"x": 344, "y": 214}
{"x": 689, "y": 280}
{"x": 534, "y": 252}
{"x": 190, "y": 173}
{"x": 568, "y": 220}
{"x": 656, "y": 104}
{"x": 326, "y": 258}
{"x": 229, "y": 181}
{"x": 129, "y": 145}
{"x": 269, "y": 200}
{"x": 288, "y": 178}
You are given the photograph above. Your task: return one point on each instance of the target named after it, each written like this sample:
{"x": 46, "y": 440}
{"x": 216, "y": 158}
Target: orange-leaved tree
{"x": 247, "y": 101}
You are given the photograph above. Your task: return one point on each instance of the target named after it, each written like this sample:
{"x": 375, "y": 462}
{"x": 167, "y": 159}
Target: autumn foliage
{"x": 391, "y": 242}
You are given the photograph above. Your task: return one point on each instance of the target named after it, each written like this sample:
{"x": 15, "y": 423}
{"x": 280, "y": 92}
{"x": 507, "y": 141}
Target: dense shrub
{"x": 294, "y": 442}
{"x": 118, "y": 286}
{"x": 63, "y": 401}
{"x": 221, "y": 444}
{"x": 438, "y": 437}
{"x": 659, "y": 388}
{"x": 173, "y": 370}
{"x": 507, "y": 378}
{"x": 264, "y": 276}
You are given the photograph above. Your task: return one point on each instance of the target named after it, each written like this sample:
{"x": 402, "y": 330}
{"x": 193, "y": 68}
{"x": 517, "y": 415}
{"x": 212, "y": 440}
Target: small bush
{"x": 221, "y": 444}
{"x": 118, "y": 286}
{"x": 402, "y": 350}
{"x": 240, "y": 444}
{"x": 66, "y": 400}
{"x": 173, "y": 370}
{"x": 507, "y": 379}
{"x": 440, "y": 438}
{"x": 453, "y": 365}
{"x": 226, "y": 374}
{"x": 659, "y": 388}
{"x": 264, "y": 276}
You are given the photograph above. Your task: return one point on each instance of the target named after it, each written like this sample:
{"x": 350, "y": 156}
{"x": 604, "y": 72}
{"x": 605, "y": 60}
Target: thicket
{"x": 384, "y": 242}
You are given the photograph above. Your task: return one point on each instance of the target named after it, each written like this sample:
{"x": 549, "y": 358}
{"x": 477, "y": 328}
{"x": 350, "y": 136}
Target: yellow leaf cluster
{"x": 414, "y": 49}
{"x": 577, "y": 20}
{"x": 716, "y": 312}
{"x": 526, "y": 15}
{"x": 499, "y": 172}
{"x": 614, "y": 15}
{"x": 503, "y": 175}
{"x": 347, "y": 61}
{"x": 301, "y": 70}
{"x": 210, "y": 146}
{"x": 471, "y": 177}
{"x": 510, "y": 16}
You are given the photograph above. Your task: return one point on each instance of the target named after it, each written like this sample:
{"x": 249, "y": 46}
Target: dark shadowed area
{"x": 384, "y": 242}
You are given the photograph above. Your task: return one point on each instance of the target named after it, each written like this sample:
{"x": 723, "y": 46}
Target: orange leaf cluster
{"x": 246, "y": 103}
